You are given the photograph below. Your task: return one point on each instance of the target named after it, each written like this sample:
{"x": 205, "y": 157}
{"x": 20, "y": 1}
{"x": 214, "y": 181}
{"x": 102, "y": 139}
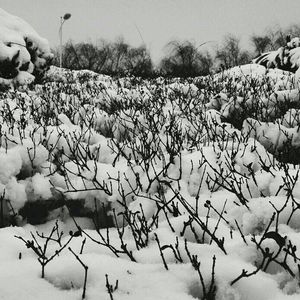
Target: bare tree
{"x": 185, "y": 60}
{"x": 139, "y": 62}
{"x": 261, "y": 43}
{"x": 117, "y": 58}
{"x": 230, "y": 53}
{"x": 119, "y": 53}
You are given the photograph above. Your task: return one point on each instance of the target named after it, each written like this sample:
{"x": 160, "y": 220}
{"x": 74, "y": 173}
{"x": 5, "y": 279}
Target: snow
{"x": 16, "y": 193}
{"x": 146, "y": 279}
{"x": 78, "y": 156}
{"x": 164, "y": 189}
{"x": 41, "y": 186}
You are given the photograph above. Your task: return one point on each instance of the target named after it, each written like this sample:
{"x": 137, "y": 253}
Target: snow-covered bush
{"x": 24, "y": 55}
{"x": 285, "y": 58}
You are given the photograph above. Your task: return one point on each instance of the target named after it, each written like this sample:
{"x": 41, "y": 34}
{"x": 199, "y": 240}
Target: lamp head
{"x": 67, "y": 16}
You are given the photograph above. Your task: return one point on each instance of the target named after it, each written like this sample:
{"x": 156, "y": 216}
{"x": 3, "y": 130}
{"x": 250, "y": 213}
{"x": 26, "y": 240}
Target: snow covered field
{"x": 161, "y": 189}
{"x": 146, "y": 189}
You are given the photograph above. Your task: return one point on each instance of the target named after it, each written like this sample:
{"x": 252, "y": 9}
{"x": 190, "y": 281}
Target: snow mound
{"x": 24, "y": 55}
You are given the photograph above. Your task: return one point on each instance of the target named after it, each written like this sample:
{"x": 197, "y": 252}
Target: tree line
{"x": 183, "y": 58}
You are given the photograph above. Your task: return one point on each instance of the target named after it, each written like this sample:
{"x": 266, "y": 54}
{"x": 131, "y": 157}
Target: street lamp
{"x": 62, "y": 21}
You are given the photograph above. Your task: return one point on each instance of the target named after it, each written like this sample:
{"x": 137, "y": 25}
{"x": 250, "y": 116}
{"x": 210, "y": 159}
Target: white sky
{"x": 159, "y": 21}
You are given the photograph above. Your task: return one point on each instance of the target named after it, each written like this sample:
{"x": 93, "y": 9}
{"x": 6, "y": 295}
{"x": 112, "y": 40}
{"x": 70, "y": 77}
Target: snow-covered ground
{"x": 163, "y": 189}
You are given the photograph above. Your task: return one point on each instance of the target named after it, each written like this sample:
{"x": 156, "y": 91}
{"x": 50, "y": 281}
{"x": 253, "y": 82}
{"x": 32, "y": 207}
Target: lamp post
{"x": 62, "y": 21}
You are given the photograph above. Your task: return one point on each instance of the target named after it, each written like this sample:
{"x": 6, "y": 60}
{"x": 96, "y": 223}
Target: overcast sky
{"x": 158, "y": 21}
